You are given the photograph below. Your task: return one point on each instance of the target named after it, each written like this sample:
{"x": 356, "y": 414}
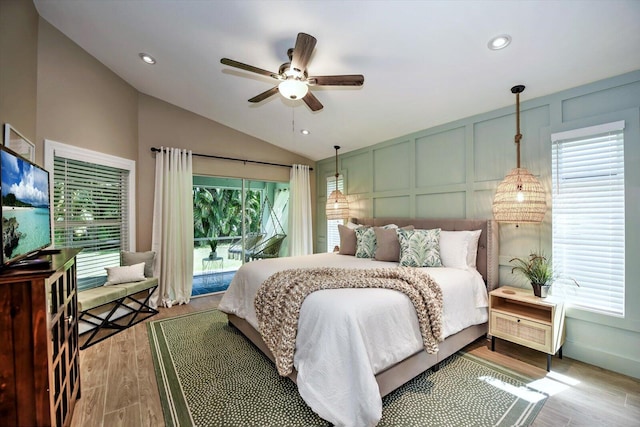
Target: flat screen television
{"x": 26, "y": 208}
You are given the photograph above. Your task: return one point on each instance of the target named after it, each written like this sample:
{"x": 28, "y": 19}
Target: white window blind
{"x": 333, "y": 236}
{"x": 588, "y": 217}
{"x": 91, "y": 211}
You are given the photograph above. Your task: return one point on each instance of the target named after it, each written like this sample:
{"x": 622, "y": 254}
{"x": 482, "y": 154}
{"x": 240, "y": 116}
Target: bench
{"x": 122, "y": 296}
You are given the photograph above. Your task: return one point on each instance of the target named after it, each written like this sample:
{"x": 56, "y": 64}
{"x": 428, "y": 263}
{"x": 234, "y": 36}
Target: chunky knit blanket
{"x": 280, "y": 297}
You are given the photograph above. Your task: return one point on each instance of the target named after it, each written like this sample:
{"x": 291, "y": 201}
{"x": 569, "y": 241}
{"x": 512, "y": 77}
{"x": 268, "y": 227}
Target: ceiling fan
{"x": 294, "y": 81}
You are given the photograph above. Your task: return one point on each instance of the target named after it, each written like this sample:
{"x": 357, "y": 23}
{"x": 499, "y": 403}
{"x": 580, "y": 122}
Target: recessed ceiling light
{"x": 305, "y": 132}
{"x": 499, "y": 42}
{"x": 147, "y": 58}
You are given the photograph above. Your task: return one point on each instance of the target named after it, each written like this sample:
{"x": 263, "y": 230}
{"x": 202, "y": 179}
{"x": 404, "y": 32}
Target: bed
{"x": 354, "y": 346}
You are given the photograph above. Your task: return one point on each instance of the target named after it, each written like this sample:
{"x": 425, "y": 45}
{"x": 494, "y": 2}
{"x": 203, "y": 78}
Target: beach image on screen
{"x": 25, "y": 207}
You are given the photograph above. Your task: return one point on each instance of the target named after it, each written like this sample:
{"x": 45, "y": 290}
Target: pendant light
{"x": 520, "y": 198}
{"x": 337, "y": 204}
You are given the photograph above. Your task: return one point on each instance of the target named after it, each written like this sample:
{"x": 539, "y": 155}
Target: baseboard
{"x": 602, "y": 359}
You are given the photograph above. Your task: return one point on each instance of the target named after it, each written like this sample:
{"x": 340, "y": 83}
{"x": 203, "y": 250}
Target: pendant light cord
{"x": 517, "y": 90}
{"x": 337, "y": 174}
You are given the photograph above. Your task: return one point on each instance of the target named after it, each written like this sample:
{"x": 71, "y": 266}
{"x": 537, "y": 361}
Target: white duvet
{"x": 347, "y": 336}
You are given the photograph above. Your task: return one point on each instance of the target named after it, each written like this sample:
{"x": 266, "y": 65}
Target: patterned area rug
{"x": 209, "y": 374}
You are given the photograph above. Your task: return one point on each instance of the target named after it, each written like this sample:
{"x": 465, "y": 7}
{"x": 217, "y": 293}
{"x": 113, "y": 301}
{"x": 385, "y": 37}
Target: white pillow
{"x": 459, "y": 249}
{"x": 353, "y": 225}
{"x": 472, "y": 254}
{"x": 126, "y": 274}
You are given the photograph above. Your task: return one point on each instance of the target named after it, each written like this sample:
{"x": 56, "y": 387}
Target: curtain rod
{"x": 211, "y": 156}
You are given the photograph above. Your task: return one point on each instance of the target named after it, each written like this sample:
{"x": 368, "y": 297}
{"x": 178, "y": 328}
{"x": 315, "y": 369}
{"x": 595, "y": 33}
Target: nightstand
{"x": 518, "y": 316}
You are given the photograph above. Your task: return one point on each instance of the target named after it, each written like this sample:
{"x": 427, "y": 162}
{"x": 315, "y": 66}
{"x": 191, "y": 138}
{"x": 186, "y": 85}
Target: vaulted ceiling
{"x": 425, "y": 63}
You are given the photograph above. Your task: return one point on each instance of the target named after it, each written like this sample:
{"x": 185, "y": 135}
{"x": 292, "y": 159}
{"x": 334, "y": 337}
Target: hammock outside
{"x": 260, "y": 244}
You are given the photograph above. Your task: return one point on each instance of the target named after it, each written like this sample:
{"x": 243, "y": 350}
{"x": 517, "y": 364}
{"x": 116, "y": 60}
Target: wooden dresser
{"x": 39, "y": 354}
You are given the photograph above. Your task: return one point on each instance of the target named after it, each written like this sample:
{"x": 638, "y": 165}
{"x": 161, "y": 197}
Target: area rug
{"x": 209, "y": 374}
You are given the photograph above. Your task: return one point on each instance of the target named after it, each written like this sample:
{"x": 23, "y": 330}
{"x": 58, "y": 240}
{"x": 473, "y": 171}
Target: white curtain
{"x": 300, "y": 231}
{"x": 173, "y": 227}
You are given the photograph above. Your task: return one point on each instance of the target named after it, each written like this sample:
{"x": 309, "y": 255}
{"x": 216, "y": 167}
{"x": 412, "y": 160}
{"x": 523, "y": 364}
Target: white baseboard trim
{"x": 599, "y": 357}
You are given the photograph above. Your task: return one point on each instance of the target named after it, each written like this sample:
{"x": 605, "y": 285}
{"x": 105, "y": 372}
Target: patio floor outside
{"x": 213, "y": 275}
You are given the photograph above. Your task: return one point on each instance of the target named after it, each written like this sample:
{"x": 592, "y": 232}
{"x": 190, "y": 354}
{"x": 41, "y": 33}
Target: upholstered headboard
{"x": 488, "y": 247}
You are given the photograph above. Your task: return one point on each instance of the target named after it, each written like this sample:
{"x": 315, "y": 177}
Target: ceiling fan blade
{"x": 345, "y": 80}
{"x": 236, "y": 64}
{"x": 313, "y": 103}
{"x": 264, "y": 95}
{"x": 302, "y": 52}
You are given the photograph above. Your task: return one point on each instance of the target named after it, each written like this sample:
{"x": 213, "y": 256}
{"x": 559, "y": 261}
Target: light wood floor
{"x": 119, "y": 386}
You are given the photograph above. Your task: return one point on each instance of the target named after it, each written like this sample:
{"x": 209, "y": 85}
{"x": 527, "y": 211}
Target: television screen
{"x": 26, "y": 213}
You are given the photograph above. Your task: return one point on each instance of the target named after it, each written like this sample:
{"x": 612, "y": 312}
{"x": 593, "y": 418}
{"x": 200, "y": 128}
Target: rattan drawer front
{"x": 525, "y": 332}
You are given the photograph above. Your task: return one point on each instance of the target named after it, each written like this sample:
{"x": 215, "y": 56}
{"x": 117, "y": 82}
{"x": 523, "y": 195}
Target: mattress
{"x": 347, "y": 336}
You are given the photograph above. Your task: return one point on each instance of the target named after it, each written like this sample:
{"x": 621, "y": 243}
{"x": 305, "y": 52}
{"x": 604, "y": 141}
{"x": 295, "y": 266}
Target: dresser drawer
{"x": 521, "y": 331}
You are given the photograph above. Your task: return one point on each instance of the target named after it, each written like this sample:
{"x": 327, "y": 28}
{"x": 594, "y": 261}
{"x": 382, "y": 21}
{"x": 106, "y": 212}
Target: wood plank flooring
{"x": 119, "y": 386}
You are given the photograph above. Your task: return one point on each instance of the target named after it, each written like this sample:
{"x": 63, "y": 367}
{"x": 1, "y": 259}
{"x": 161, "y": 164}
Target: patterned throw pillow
{"x": 365, "y": 242}
{"x": 419, "y": 248}
{"x": 387, "y": 244}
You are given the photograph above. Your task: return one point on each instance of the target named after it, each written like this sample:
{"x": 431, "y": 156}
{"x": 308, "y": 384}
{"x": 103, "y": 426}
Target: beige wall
{"x": 80, "y": 101}
{"x": 164, "y": 124}
{"x": 18, "y": 65}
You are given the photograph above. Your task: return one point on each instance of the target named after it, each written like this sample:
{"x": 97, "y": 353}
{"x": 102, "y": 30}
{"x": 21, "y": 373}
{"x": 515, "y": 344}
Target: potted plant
{"x": 537, "y": 269}
{"x": 213, "y": 244}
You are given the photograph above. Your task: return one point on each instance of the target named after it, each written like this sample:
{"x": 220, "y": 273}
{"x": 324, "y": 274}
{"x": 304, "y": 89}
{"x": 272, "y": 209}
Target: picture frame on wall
{"x": 18, "y": 143}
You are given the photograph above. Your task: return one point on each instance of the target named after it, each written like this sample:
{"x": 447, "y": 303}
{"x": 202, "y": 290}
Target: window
{"x": 92, "y": 207}
{"x": 333, "y": 236}
{"x": 588, "y": 216}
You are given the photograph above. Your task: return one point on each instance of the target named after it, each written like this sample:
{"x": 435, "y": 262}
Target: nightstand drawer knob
{"x": 518, "y": 320}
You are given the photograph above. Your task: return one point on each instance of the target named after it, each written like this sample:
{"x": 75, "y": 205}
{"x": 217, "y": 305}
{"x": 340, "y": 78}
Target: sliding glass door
{"x": 235, "y": 221}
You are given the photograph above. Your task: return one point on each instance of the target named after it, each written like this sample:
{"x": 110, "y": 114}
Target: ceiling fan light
{"x": 293, "y": 89}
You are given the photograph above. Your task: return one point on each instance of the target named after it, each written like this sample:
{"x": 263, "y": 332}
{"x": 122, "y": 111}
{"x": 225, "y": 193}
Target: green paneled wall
{"x": 392, "y": 161}
{"x": 452, "y": 171}
{"x": 430, "y": 149}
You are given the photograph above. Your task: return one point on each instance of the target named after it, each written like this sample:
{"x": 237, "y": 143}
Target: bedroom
{"x": 50, "y": 75}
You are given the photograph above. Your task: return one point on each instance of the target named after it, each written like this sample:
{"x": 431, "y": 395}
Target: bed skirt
{"x": 396, "y": 375}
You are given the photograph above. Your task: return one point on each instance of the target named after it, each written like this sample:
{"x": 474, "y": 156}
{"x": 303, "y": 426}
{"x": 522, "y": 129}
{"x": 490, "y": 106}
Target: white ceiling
{"x": 425, "y": 62}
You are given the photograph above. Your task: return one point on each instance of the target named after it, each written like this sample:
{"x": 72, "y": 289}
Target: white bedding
{"x": 346, "y": 336}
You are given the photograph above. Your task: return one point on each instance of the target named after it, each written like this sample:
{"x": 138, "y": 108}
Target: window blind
{"x": 91, "y": 204}
{"x": 333, "y": 235}
{"x": 588, "y": 217}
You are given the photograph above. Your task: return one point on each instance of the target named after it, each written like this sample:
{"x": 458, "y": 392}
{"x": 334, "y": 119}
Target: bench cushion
{"x": 135, "y": 287}
{"x": 96, "y": 297}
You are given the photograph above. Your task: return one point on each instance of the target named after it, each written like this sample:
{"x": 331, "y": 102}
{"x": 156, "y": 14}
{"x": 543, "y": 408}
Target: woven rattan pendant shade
{"x": 337, "y": 203}
{"x": 520, "y": 198}
{"x": 337, "y": 206}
